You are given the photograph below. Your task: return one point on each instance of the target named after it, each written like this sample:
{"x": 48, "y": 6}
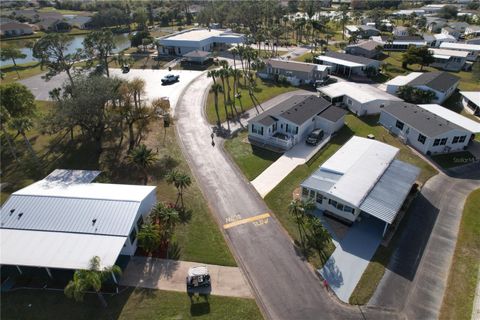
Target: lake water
{"x": 121, "y": 41}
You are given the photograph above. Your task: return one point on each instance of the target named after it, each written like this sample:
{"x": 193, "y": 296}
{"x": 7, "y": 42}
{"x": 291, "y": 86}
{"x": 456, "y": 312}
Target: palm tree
{"x": 298, "y": 209}
{"x": 142, "y": 158}
{"x": 216, "y": 88}
{"x": 4, "y": 120}
{"x": 93, "y": 278}
{"x": 353, "y": 38}
{"x": 167, "y": 217}
{"x": 181, "y": 181}
{"x": 149, "y": 237}
{"x": 317, "y": 236}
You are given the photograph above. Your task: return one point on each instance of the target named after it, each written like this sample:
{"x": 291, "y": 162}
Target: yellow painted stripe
{"x": 246, "y": 220}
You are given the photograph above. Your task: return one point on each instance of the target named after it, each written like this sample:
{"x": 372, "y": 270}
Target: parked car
{"x": 170, "y": 78}
{"x": 315, "y": 137}
{"x": 125, "y": 68}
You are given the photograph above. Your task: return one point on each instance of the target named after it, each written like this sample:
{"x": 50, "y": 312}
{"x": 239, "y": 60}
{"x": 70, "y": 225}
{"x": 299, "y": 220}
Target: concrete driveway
{"x": 153, "y": 88}
{"x": 170, "y": 275}
{"x": 415, "y": 279}
{"x": 277, "y": 171}
{"x": 351, "y": 257}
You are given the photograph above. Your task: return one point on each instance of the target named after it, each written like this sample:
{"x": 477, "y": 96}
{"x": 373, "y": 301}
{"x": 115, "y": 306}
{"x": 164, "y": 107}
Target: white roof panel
{"x": 58, "y": 250}
{"x": 71, "y": 176}
{"x": 202, "y": 34}
{"x": 340, "y": 61}
{"x": 362, "y": 162}
{"x": 102, "y": 191}
{"x": 361, "y": 92}
{"x": 448, "y": 53}
{"x": 473, "y": 96}
{"x": 403, "y": 80}
{"x": 453, "y": 117}
{"x": 460, "y": 46}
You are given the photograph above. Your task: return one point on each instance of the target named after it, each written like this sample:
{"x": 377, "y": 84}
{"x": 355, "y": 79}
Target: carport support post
{"x": 385, "y": 229}
{"x": 19, "y": 270}
{"x": 114, "y": 278}
{"x": 49, "y": 273}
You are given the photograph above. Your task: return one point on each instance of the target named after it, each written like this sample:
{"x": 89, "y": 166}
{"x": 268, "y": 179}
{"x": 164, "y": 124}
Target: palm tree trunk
{"x": 216, "y": 107}
{"x": 10, "y": 145}
{"x": 16, "y": 68}
{"x": 131, "y": 136}
{"x": 29, "y": 146}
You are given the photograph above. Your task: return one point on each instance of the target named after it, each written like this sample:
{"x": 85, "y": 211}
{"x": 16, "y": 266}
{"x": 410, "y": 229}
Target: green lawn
{"x": 463, "y": 277}
{"x": 199, "y": 239}
{"x": 279, "y": 198}
{"x": 263, "y": 92}
{"x": 251, "y": 159}
{"x": 470, "y": 80}
{"x": 130, "y": 304}
{"x": 455, "y": 159}
{"x": 25, "y": 70}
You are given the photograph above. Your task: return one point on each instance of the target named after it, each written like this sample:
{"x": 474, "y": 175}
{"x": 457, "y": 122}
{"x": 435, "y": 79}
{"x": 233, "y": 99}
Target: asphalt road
{"x": 415, "y": 280}
{"x": 286, "y": 287}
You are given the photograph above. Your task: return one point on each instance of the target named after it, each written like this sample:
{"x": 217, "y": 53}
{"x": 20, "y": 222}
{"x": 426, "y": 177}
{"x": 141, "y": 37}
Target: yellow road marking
{"x": 246, "y": 220}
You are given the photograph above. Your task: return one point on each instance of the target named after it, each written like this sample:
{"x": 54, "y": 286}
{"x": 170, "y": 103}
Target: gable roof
{"x": 291, "y": 65}
{"x": 424, "y": 121}
{"x": 349, "y": 57}
{"x": 439, "y": 80}
{"x": 369, "y": 45}
{"x": 296, "y": 109}
{"x": 457, "y": 118}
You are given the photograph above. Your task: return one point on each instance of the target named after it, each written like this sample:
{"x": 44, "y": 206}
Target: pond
{"x": 121, "y": 41}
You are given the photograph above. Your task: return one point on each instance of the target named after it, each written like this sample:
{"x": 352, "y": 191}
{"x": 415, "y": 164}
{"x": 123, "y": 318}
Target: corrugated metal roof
{"x": 69, "y": 215}
{"x": 321, "y": 180}
{"x": 57, "y": 250}
{"x": 386, "y": 198}
{"x": 71, "y": 176}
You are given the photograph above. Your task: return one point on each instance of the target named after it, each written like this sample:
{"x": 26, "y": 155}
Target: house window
{"x": 399, "y": 125}
{"x": 312, "y": 194}
{"x": 257, "y": 130}
{"x": 133, "y": 236}
{"x": 349, "y": 101}
{"x": 340, "y": 206}
{"x": 332, "y": 202}
{"x": 139, "y": 222}
{"x": 455, "y": 139}
{"x": 421, "y": 138}
{"x": 296, "y": 130}
{"x": 443, "y": 141}
{"x": 305, "y": 192}
{"x": 436, "y": 142}
{"x": 286, "y": 128}
{"x": 319, "y": 198}
{"x": 179, "y": 51}
{"x": 462, "y": 139}
{"x": 348, "y": 209}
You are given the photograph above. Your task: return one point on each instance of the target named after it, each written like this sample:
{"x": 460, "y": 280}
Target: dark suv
{"x": 315, "y": 137}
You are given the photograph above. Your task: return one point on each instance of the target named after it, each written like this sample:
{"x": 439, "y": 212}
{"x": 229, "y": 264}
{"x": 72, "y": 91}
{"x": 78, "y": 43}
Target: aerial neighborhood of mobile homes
{"x": 282, "y": 156}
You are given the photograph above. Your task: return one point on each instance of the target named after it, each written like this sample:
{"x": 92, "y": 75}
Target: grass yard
{"x": 251, "y": 159}
{"x": 463, "y": 277}
{"x": 263, "y": 92}
{"x": 279, "y": 198}
{"x": 199, "y": 239}
{"x": 25, "y": 70}
{"x": 455, "y": 159}
{"x": 130, "y": 304}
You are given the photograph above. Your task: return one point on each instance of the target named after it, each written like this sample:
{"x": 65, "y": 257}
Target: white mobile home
{"x": 430, "y": 130}
{"x": 472, "y": 49}
{"x": 289, "y": 122}
{"x": 443, "y": 84}
{"x": 471, "y": 100}
{"x": 64, "y": 220}
{"x": 363, "y": 176}
{"x": 359, "y": 98}
{"x": 347, "y": 65}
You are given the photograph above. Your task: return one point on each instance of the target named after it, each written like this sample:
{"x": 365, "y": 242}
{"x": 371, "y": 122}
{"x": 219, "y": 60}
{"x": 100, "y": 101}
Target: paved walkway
{"x": 277, "y": 171}
{"x": 170, "y": 275}
{"x": 351, "y": 257}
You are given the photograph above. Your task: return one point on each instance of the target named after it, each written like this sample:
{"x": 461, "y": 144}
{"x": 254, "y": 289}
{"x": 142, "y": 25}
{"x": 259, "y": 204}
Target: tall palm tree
{"x": 298, "y": 209}
{"x": 149, "y": 238}
{"x": 317, "y": 236}
{"x": 93, "y": 278}
{"x": 215, "y": 89}
{"x": 143, "y": 158}
{"x": 181, "y": 181}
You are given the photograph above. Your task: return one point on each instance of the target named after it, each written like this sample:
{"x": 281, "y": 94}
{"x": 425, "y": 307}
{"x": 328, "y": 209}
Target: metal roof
{"x": 460, "y": 46}
{"x": 71, "y": 176}
{"x": 472, "y": 96}
{"x": 349, "y": 57}
{"x": 69, "y": 215}
{"x": 458, "y": 119}
{"x": 360, "y": 92}
{"x": 57, "y": 250}
{"x": 386, "y": 198}
{"x": 321, "y": 180}
{"x": 291, "y": 65}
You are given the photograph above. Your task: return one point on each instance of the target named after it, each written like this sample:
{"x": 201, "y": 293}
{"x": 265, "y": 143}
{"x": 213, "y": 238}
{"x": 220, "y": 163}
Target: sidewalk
{"x": 277, "y": 171}
{"x": 170, "y": 275}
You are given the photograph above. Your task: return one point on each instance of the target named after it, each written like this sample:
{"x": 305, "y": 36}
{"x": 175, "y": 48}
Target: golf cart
{"x": 198, "y": 280}
{"x": 125, "y": 68}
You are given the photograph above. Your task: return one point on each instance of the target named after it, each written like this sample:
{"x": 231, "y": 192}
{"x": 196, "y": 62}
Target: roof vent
{"x": 11, "y": 212}
{"x": 20, "y": 215}
{"x": 94, "y": 221}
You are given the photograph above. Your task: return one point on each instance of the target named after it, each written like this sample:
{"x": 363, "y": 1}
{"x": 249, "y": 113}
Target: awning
{"x": 57, "y": 249}
{"x": 386, "y": 198}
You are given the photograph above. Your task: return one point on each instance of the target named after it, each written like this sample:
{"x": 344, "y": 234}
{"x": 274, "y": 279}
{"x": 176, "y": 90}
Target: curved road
{"x": 285, "y": 285}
